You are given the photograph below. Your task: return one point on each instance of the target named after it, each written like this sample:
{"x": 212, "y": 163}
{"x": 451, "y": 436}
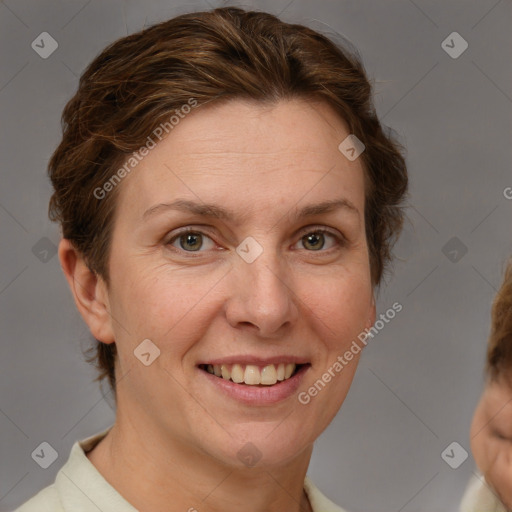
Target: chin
{"x": 262, "y": 446}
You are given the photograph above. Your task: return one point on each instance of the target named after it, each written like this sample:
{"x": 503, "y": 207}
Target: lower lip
{"x": 258, "y": 395}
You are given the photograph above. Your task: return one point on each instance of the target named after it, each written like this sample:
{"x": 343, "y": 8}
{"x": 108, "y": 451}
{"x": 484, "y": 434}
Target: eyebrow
{"x": 212, "y": 210}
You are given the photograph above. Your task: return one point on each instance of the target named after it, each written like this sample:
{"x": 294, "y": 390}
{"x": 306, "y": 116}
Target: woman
{"x": 228, "y": 201}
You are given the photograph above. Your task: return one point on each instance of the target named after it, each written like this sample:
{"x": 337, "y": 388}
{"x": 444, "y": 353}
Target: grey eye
{"x": 191, "y": 241}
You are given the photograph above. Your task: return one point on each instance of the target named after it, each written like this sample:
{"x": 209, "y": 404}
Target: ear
{"x": 89, "y": 291}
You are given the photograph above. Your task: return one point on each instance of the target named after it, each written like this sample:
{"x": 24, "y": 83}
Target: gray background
{"x": 420, "y": 379}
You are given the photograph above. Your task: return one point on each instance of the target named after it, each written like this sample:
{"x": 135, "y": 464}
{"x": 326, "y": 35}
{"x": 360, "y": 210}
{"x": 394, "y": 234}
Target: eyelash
{"x": 340, "y": 241}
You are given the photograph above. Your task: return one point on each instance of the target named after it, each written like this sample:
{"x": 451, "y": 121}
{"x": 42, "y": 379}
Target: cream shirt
{"x": 80, "y": 487}
{"x": 480, "y": 498}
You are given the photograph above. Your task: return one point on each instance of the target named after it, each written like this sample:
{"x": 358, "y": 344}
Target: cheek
{"x": 485, "y": 447}
{"x": 480, "y": 450}
{"x": 340, "y": 310}
{"x": 160, "y": 299}
{"x": 159, "y": 303}
{"x": 168, "y": 308}
{"x": 341, "y": 305}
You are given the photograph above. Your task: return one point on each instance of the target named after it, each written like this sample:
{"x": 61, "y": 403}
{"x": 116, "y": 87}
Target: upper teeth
{"x": 252, "y": 374}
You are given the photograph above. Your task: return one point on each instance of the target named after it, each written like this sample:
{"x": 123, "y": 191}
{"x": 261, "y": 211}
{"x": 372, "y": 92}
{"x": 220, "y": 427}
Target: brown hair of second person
{"x": 499, "y": 349}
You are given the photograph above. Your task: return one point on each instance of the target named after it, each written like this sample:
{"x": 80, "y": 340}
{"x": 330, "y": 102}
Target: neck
{"x": 158, "y": 474}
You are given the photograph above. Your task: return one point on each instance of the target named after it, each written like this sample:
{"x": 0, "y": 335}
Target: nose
{"x": 262, "y": 297}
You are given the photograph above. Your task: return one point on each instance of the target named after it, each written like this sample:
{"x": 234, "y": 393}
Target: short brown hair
{"x": 499, "y": 349}
{"x": 138, "y": 81}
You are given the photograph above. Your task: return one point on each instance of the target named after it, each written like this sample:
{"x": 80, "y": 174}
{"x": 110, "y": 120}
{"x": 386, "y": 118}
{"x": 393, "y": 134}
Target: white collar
{"x": 80, "y": 486}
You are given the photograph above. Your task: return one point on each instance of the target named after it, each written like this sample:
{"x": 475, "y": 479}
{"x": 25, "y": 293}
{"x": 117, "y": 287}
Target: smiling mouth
{"x": 253, "y": 375}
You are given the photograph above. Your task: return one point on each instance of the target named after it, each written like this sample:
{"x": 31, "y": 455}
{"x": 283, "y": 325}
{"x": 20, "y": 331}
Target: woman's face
{"x": 255, "y": 287}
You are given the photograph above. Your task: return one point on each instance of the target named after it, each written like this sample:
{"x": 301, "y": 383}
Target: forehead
{"x": 498, "y": 399}
{"x": 262, "y": 151}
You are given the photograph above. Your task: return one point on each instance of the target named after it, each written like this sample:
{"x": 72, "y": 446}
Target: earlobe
{"x": 89, "y": 292}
